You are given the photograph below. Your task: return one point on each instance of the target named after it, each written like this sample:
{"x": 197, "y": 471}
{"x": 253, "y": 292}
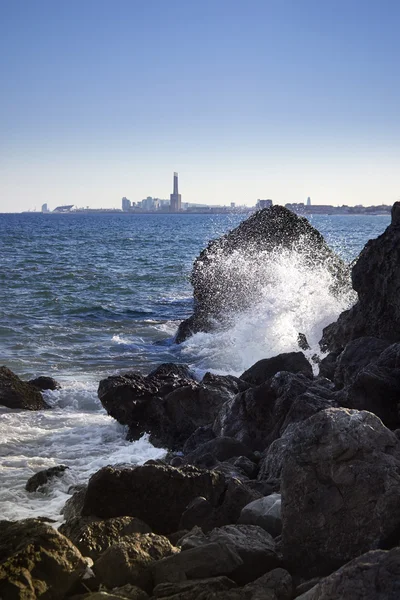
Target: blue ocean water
{"x": 85, "y": 296}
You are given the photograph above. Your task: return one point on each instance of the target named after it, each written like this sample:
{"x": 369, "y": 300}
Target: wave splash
{"x": 285, "y": 293}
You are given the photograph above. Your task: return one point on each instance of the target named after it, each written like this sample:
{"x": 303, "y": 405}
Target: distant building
{"x": 233, "y": 204}
{"x": 45, "y": 208}
{"x": 264, "y": 204}
{"x": 175, "y": 197}
{"x": 126, "y": 204}
{"x": 308, "y": 201}
{"x": 148, "y": 203}
{"x": 64, "y": 209}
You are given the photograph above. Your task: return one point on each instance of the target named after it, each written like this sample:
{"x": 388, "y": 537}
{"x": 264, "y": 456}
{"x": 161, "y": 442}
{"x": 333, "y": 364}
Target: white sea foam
{"x": 76, "y": 433}
{"x": 285, "y": 296}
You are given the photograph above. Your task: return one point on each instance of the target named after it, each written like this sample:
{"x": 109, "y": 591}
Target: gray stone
{"x": 264, "y": 512}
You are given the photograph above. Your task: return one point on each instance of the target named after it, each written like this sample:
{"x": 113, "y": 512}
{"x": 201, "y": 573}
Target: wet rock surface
{"x": 17, "y": 394}
{"x": 217, "y": 290}
{"x": 43, "y": 477}
{"x": 376, "y": 279}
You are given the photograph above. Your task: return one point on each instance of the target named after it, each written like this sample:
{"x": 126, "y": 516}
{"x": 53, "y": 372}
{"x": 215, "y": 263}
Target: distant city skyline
{"x": 265, "y": 99}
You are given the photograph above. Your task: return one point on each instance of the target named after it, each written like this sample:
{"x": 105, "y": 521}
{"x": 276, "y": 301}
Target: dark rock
{"x": 73, "y": 506}
{"x": 93, "y": 537}
{"x": 306, "y": 585}
{"x": 209, "y": 560}
{"x": 275, "y": 585}
{"x": 45, "y": 383}
{"x": 190, "y": 589}
{"x": 245, "y": 466}
{"x": 221, "y": 449}
{"x": 340, "y": 490}
{"x": 157, "y": 494}
{"x": 131, "y": 561}
{"x": 42, "y": 477}
{"x": 327, "y": 366}
{"x": 264, "y": 512}
{"x": 376, "y": 388}
{"x": 199, "y": 437}
{"x": 198, "y": 512}
{"x": 256, "y": 416}
{"x": 255, "y": 547}
{"x": 376, "y": 279}
{"x": 169, "y": 407}
{"x": 292, "y": 362}
{"x": 372, "y": 576}
{"x": 218, "y": 290}
{"x": 36, "y": 561}
{"x": 357, "y": 355}
{"x": 15, "y": 393}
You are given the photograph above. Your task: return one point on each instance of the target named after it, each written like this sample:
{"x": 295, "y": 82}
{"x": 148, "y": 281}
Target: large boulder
{"x": 93, "y": 536}
{"x": 157, "y": 494}
{"x": 357, "y": 355}
{"x": 168, "y": 404}
{"x": 130, "y": 561}
{"x": 44, "y": 382}
{"x": 340, "y": 490}
{"x": 376, "y": 279}
{"x": 15, "y": 393}
{"x": 372, "y": 576}
{"x": 264, "y": 512}
{"x": 228, "y": 275}
{"x": 260, "y": 415}
{"x": 261, "y": 371}
{"x": 376, "y": 387}
{"x": 253, "y": 544}
{"x": 36, "y": 561}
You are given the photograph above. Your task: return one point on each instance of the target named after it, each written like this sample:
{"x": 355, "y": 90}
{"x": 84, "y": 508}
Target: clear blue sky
{"x": 278, "y": 99}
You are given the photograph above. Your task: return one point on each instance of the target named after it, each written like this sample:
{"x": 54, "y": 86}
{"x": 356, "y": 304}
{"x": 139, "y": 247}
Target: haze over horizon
{"x": 278, "y": 99}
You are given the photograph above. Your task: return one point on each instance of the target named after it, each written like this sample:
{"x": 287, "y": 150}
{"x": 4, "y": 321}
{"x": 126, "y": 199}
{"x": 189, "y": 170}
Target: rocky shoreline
{"x": 277, "y": 484}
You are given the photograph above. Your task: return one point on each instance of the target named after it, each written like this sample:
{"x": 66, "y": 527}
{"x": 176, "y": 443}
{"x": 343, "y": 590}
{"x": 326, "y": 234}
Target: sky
{"x": 280, "y": 99}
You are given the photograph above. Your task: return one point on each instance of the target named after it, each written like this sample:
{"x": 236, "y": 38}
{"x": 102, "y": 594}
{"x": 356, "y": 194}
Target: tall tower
{"x": 308, "y": 201}
{"x": 175, "y": 197}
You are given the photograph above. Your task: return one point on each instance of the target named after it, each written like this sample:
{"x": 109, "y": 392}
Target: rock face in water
{"x": 376, "y": 279}
{"x": 218, "y": 285}
{"x": 15, "y": 393}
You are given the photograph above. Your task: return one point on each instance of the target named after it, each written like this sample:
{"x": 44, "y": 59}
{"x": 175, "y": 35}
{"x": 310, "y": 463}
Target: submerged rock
{"x": 376, "y": 279}
{"x": 45, "y": 383}
{"x": 42, "y": 477}
{"x": 15, "y": 393}
{"x": 36, "y": 561}
{"x": 218, "y": 289}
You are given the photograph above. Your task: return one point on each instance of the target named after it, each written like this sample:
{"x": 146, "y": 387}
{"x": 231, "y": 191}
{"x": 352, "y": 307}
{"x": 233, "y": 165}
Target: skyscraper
{"x": 175, "y": 197}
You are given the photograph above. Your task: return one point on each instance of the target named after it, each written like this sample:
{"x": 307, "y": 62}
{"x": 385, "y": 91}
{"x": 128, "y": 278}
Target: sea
{"x": 85, "y": 296}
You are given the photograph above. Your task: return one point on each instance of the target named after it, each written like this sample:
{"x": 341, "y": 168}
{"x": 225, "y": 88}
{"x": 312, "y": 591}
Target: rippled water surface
{"x": 84, "y": 296}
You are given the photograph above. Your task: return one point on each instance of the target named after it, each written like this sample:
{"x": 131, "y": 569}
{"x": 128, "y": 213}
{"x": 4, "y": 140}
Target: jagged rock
{"x": 372, "y": 576}
{"x": 255, "y": 547}
{"x": 200, "y": 436}
{"x": 200, "y": 512}
{"x": 327, "y": 366}
{"x": 261, "y": 371}
{"x": 190, "y": 590}
{"x": 168, "y": 406}
{"x": 42, "y": 477}
{"x": 36, "y": 561}
{"x": 376, "y": 279}
{"x": 93, "y": 537}
{"x": 376, "y": 388}
{"x": 340, "y": 490}
{"x": 45, "y": 383}
{"x": 260, "y": 415}
{"x": 15, "y": 393}
{"x": 264, "y": 512}
{"x": 357, "y": 355}
{"x": 208, "y": 560}
{"x": 218, "y": 288}
{"x": 220, "y": 449}
{"x": 271, "y": 464}
{"x": 157, "y": 494}
{"x": 126, "y": 592}
{"x": 73, "y": 506}
{"x": 130, "y": 561}
{"x": 275, "y": 585}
